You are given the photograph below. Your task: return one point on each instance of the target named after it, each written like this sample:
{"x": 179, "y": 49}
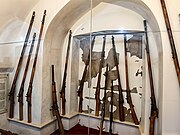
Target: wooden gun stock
{"x": 29, "y": 104}
{"x": 13, "y": 87}
{"x": 80, "y": 91}
{"x": 63, "y": 99}
{"x": 55, "y": 110}
{"x": 11, "y": 98}
{"x": 121, "y": 99}
{"x": 97, "y": 95}
{"x": 152, "y": 123}
{"x": 20, "y": 100}
{"x": 134, "y": 116}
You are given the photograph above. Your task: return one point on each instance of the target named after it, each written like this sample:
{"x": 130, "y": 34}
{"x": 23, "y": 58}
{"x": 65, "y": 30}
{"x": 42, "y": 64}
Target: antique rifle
{"x": 21, "y": 91}
{"x": 121, "y": 99}
{"x": 154, "y": 109}
{"x": 81, "y": 85}
{"x": 62, "y": 92}
{"x": 13, "y": 87}
{"x": 55, "y": 105}
{"x": 97, "y": 95}
{"x": 129, "y": 99}
{"x": 111, "y": 111}
{"x": 104, "y": 104}
{"x": 171, "y": 39}
{"x": 29, "y": 92}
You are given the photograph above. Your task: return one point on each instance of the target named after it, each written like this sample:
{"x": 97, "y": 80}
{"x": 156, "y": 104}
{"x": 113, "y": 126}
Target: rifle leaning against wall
{"x": 129, "y": 99}
{"x": 13, "y": 87}
{"x": 111, "y": 111}
{"x": 81, "y": 85}
{"x": 29, "y": 92}
{"x": 97, "y": 95}
{"x": 104, "y": 103}
{"x": 55, "y": 105}
{"x": 171, "y": 39}
{"x": 62, "y": 92}
{"x": 21, "y": 91}
{"x": 121, "y": 99}
{"x": 154, "y": 109}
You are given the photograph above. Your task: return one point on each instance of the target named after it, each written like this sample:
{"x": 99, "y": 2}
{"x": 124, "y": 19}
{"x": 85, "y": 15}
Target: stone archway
{"x": 70, "y": 14}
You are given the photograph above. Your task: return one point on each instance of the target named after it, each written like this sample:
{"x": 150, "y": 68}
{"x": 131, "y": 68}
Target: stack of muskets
{"x": 21, "y": 91}
{"x": 104, "y": 103}
{"x": 111, "y": 111}
{"x": 81, "y": 85}
{"x": 13, "y": 87}
{"x": 171, "y": 39}
{"x": 55, "y": 110}
{"x": 154, "y": 109}
{"x": 129, "y": 99}
{"x": 62, "y": 92}
{"x": 97, "y": 95}
{"x": 4, "y": 132}
{"x": 121, "y": 99}
{"x": 29, "y": 92}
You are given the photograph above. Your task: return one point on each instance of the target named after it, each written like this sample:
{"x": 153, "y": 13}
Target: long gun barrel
{"x": 13, "y": 87}
{"x": 121, "y": 99}
{"x": 62, "y": 92}
{"x": 97, "y": 95}
{"x": 81, "y": 85}
{"x": 111, "y": 111}
{"x": 104, "y": 104}
{"x": 171, "y": 39}
{"x": 129, "y": 99}
{"x": 29, "y": 92}
{"x": 21, "y": 91}
{"x": 55, "y": 105}
{"x": 154, "y": 109}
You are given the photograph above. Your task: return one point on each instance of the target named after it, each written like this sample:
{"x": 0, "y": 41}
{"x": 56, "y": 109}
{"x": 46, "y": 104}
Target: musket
{"x": 154, "y": 109}
{"x": 21, "y": 91}
{"x": 81, "y": 85}
{"x": 104, "y": 104}
{"x": 13, "y": 86}
{"x": 29, "y": 92}
{"x": 62, "y": 92}
{"x": 55, "y": 105}
{"x": 97, "y": 95}
{"x": 111, "y": 111}
{"x": 171, "y": 39}
{"x": 121, "y": 99}
{"x": 129, "y": 99}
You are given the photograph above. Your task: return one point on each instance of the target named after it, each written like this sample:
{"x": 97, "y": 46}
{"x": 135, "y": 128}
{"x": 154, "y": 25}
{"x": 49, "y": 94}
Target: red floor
{"x": 80, "y": 130}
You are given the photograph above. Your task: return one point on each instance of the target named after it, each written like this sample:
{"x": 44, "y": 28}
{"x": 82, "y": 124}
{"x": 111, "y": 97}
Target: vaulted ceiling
{"x": 11, "y": 9}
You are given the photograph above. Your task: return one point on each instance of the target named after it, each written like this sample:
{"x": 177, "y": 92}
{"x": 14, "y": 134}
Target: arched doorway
{"x": 69, "y": 15}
